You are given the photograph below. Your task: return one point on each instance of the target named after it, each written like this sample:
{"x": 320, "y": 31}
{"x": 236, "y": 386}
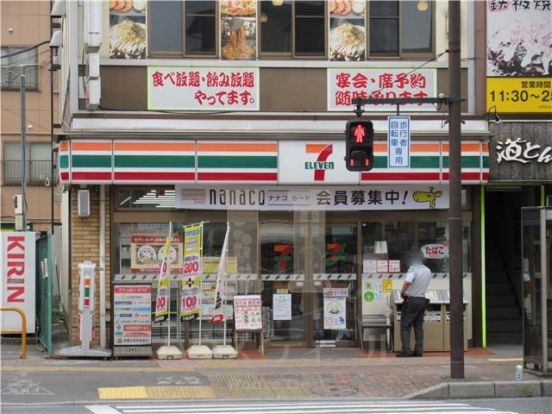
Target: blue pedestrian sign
{"x": 398, "y": 142}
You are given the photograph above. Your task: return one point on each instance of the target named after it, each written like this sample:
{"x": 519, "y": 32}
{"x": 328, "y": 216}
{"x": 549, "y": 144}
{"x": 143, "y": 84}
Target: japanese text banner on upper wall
{"x": 519, "y": 57}
{"x": 334, "y": 198}
{"x": 203, "y": 88}
{"x": 345, "y": 84}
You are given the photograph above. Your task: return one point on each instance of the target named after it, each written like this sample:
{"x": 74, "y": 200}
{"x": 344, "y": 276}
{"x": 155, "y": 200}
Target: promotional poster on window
{"x": 247, "y": 313}
{"x": 347, "y": 35}
{"x": 146, "y": 253}
{"x": 127, "y": 29}
{"x": 238, "y": 29}
{"x": 335, "y": 308}
{"x": 519, "y": 57}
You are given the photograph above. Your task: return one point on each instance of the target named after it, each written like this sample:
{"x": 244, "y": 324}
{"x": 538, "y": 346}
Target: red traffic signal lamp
{"x": 359, "y": 155}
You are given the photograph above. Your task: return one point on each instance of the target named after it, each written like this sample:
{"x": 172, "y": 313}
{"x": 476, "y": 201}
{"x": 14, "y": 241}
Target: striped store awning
{"x": 125, "y": 161}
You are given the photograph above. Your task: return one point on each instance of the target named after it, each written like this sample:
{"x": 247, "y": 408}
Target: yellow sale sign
{"x": 510, "y": 94}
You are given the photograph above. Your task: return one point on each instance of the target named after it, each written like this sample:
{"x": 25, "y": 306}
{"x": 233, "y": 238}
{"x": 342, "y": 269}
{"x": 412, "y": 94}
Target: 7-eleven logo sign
{"x": 322, "y": 151}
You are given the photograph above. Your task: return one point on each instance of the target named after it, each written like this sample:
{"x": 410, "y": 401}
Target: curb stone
{"x": 498, "y": 389}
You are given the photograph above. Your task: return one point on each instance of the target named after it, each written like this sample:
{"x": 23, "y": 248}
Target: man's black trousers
{"x": 412, "y": 316}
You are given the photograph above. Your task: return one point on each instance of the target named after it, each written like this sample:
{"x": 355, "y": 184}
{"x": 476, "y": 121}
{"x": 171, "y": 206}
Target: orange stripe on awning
{"x": 380, "y": 146}
{"x": 64, "y": 146}
{"x": 315, "y": 148}
{"x": 466, "y": 146}
{"x": 485, "y": 147}
{"x": 425, "y": 147}
{"x": 153, "y": 146}
{"x": 237, "y": 147}
{"x": 90, "y": 146}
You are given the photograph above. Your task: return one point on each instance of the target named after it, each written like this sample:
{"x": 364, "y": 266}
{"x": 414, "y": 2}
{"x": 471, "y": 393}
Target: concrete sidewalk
{"x": 280, "y": 373}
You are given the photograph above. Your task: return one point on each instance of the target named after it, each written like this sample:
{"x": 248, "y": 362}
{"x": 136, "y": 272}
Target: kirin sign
{"x": 17, "y": 263}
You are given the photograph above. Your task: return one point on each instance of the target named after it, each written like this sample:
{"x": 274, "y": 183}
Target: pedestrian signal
{"x": 359, "y": 154}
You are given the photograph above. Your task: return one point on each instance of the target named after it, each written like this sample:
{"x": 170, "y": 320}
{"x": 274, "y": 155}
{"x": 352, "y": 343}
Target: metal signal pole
{"x": 455, "y": 189}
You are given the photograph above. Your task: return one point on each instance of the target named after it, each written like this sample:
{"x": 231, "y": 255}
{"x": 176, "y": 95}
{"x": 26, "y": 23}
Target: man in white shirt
{"x": 414, "y": 305}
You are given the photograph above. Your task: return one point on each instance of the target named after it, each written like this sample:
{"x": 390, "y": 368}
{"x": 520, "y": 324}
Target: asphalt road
{"x": 336, "y": 406}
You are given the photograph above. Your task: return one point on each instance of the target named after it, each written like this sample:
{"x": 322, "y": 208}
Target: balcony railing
{"x": 37, "y": 172}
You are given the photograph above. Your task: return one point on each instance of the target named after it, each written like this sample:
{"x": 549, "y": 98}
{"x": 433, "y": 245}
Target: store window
{"x": 399, "y": 28}
{"x": 38, "y": 163}
{"x": 14, "y": 65}
{"x": 292, "y": 28}
{"x": 167, "y": 20}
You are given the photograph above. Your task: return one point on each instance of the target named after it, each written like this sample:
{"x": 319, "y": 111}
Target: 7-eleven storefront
{"x": 314, "y": 240}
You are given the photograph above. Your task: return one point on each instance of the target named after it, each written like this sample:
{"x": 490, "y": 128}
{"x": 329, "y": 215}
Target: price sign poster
{"x": 191, "y": 270}
{"x": 247, "y": 313}
{"x": 132, "y": 314}
{"x": 519, "y": 56}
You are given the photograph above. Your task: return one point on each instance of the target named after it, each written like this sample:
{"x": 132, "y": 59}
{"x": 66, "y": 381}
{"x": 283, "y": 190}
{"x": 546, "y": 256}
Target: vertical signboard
{"x": 17, "y": 265}
{"x": 132, "y": 315}
{"x": 519, "y": 57}
{"x": 191, "y": 282}
{"x": 398, "y": 142}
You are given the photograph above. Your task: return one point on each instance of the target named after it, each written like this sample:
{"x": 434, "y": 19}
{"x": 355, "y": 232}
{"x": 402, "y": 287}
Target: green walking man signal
{"x": 359, "y": 154}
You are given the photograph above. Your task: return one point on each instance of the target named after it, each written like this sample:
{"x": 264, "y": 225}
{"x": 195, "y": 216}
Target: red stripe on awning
{"x": 91, "y": 175}
{"x": 64, "y": 176}
{"x": 467, "y": 176}
{"x": 399, "y": 176}
{"x": 145, "y": 176}
{"x": 235, "y": 176}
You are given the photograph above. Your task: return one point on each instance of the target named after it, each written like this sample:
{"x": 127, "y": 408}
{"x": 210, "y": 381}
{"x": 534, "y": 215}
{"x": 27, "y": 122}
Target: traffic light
{"x": 359, "y": 154}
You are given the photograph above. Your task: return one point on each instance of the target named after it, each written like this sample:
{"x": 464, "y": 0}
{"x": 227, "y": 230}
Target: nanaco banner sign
{"x": 329, "y": 198}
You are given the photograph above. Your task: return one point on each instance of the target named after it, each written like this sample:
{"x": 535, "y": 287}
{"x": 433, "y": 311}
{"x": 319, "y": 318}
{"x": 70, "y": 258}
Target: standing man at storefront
{"x": 415, "y": 303}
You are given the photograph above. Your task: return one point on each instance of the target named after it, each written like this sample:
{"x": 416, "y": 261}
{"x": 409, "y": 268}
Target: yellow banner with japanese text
{"x": 508, "y": 94}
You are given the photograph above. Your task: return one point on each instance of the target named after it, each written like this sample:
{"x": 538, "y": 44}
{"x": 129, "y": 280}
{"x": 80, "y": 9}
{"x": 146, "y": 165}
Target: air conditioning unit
{"x": 83, "y": 203}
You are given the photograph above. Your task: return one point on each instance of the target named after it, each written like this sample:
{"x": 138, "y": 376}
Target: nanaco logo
{"x": 322, "y": 151}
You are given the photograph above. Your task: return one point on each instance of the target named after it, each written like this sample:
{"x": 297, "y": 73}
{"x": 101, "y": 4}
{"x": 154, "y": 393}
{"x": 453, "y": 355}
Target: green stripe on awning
{"x": 93, "y": 161}
{"x": 469, "y": 161}
{"x": 237, "y": 162}
{"x": 154, "y": 161}
{"x": 63, "y": 161}
{"x": 485, "y": 162}
{"x": 415, "y": 162}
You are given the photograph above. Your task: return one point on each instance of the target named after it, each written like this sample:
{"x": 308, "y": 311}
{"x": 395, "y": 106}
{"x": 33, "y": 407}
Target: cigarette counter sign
{"x": 359, "y": 154}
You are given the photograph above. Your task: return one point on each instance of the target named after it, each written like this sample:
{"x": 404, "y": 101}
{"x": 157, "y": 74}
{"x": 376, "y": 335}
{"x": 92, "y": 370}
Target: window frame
{"x": 293, "y": 54}
{"x": 400, "y": 55}
{"x": 30, "y": 86}
{"x": 182, "y": 53}
{"x": 29, "y": 180}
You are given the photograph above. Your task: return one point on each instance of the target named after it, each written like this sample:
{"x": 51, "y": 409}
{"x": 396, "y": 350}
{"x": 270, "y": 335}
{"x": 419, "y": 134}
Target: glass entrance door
{"x": 334, "y": 283}
{"x": 282, "y": 273}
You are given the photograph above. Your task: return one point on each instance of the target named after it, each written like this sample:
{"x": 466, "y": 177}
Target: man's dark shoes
{"x": 417, "y": 354}
{"x": 404, "y": 355}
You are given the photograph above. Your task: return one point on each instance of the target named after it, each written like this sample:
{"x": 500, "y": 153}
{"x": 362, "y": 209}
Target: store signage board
{"x": 247, "y": 313}
{"x": 328, "y": 198}
{"x": 435, "y": 251}
{"x": 203, "y": 88}
{"x": 317, "y": 162}
{"x": 17, "y": 265}
{"x": 344, "y": 84}
{"x": 191, "y": 272}
{"x": 281, "y": 307}
{"x": 398, "y": 142}
{"x": 132, "y": 315}
{"x": 519, "y": 81}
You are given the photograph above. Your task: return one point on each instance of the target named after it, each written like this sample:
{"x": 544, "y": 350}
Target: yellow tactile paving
{"x": 122, "y": 393}
{"x": 168, "y": 392}
{"x": 180, "y": 392}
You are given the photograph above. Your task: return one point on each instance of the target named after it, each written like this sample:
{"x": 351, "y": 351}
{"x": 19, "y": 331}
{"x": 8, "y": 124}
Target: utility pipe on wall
{"x": 102, "y": 267}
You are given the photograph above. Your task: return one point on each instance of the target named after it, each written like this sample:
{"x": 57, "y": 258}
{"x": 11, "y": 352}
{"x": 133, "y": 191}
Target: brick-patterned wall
{"x": 85, "y": 245}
